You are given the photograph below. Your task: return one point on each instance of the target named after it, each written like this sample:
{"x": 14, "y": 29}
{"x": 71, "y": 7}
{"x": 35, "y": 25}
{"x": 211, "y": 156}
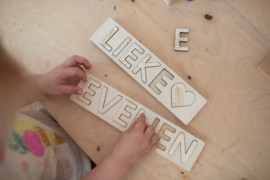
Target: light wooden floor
{"x": 256, "y": 12}
{"x": 222, "y": 60}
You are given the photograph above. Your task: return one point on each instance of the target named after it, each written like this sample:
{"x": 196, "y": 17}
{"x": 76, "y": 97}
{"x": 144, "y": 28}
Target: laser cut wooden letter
{"x": 178, "y": 39}
{"x": 122, "y": 46}
{"x": 129, "y": 53}
{"x": 185, "y": 154}
{"x": 143, "y": 65}
{"x": 108, "y": 37}
{"x": 123, "y": 112}
{"x": 138, "y": 115}
{"x": 160, "y": 81}
{"x": 101, "y": 108}
{"x": 86, "y": 96}
{"x": 162, "y": 135}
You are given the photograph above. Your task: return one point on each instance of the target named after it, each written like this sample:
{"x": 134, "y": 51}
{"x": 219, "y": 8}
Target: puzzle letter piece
{"x": 122, "y": 46}
{"x": 181, "y": 97}
{"x": 131, "y": 55}
{"x": 107, "y": 38}
{"x": 102, "y": 108}
{"x": 178, "y": 39}
{"x": 86, "y": 96}
{"x": 185, "y": 153}
{"x": 124, "y": 112}
{"x": 143, "y": 65}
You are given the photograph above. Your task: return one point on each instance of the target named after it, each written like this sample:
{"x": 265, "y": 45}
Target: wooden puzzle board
{"x": 148, "y": 70}
{"x": 121, "y": 111}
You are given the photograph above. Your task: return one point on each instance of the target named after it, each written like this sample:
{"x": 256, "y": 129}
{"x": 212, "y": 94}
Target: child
{"x": 33, "y": 146}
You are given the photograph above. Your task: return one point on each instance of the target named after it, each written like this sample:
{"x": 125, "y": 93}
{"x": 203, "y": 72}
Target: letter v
{"x": 101, "y": 108}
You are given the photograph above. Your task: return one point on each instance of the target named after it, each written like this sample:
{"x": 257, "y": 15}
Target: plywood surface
{"x": 257, "y": 12}
{"x": 221, "y": 61}
{"x": 264, "y": 67}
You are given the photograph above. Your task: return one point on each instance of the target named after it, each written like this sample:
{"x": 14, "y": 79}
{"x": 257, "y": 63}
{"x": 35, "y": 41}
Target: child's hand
{"x": 137, "y": 141}
{"x": 54, "y": 81}
{"x": 131, "y": 146}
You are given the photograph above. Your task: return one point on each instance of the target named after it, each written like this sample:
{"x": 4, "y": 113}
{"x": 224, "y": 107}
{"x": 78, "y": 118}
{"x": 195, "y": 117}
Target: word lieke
{"x": 148, "y": 70}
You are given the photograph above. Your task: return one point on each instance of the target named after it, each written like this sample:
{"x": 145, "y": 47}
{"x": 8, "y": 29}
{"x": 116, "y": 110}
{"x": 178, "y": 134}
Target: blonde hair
{"x": 11, "y": 81}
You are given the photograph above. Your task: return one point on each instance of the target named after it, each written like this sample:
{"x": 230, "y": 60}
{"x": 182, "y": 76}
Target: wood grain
{"x": 257, "y": 12}
{"x": 222, "y": 60}
{"x": 264, "y": 67}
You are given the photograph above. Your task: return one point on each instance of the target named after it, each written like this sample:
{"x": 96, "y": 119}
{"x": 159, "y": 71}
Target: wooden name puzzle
{"x": 148, "y": 70}
{"x": 120, "y": 111}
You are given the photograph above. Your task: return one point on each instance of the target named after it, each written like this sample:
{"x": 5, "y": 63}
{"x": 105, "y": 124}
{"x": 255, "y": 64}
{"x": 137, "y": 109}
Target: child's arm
{"x": 131, "y": 146}
{"x": 53, "y": 82}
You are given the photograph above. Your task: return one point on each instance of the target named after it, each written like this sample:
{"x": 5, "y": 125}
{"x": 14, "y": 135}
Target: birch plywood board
{"x": 120, "y": 111}
{"x": 264, "y": 67}
{"x": 155, "y": 76}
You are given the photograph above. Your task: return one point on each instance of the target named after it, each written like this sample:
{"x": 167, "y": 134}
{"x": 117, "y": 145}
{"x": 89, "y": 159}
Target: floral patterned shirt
{"x": 38, "y": 148}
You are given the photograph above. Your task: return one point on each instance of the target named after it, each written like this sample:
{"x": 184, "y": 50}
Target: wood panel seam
{"x": 247, "y": 20}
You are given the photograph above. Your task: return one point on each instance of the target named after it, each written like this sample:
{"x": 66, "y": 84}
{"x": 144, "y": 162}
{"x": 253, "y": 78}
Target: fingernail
{"x": 137, "y": 119}
{"x": 79, "y": 92}
{"x": 89, "y": 65}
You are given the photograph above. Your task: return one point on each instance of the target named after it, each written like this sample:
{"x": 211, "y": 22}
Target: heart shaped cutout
{"x": 181, "y": 97}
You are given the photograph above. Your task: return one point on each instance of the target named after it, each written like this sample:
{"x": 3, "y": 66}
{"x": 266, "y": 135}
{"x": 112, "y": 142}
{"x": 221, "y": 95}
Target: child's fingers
{"x": 131, "y": 127}
{"x": 68, "y": 89}
{"x": 140, "y": 125}
{"x": 149, "y": 131}
{"x": 154, "y": 147}
{"x": 74, "y": 71}
{"x": 73, "y": 60}
{"x": 154, "y": 139}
